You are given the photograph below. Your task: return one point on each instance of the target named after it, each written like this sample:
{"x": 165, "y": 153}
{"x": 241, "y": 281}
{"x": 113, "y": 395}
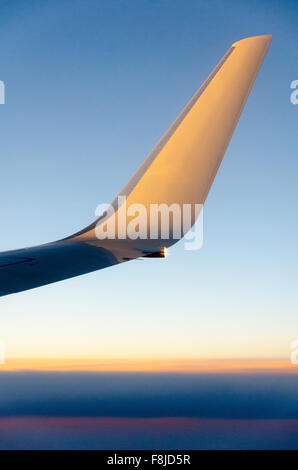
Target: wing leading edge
{"x": 180, "y": 169}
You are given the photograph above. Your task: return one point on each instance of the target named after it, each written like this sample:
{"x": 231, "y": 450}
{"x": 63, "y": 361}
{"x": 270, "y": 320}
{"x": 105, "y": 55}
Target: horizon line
{"x": 149, "y": 365}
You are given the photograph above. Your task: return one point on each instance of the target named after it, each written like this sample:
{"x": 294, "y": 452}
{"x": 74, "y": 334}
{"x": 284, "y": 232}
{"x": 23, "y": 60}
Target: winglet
{"x": 182, "y": 166}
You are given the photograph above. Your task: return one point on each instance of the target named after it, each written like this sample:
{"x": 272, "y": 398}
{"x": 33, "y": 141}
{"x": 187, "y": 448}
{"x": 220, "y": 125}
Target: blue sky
{"x": 90, "y": 89}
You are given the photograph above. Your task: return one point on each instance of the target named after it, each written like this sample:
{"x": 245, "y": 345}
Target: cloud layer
{"x": 137, "y": 395}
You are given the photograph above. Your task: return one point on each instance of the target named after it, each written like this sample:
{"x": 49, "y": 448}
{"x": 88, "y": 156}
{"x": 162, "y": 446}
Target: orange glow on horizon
{"x": 191, "y": 365}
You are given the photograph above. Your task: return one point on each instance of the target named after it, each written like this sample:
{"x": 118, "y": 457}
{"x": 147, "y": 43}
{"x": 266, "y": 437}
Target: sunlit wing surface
{"x": 179, "y": 170}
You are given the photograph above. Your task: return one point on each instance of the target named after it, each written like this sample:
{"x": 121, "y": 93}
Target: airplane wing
{"x": 179, "y": 170}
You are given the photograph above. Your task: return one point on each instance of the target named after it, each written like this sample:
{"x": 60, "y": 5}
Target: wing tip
{"x": 265, "y": 38}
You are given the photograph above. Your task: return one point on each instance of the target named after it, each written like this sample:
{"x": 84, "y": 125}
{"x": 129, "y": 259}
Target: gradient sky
{"x": 89, "y": 91}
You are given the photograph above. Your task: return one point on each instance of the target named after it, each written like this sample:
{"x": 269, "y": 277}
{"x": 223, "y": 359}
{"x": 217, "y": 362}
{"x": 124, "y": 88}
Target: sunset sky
{"x": 90, "y": 89}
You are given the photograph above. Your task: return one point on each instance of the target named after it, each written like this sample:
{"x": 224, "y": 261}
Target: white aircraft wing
{"x": 179, "y": 170}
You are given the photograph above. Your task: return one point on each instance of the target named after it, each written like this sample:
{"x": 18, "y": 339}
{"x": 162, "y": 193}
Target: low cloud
{"x": 149, "y": 395}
